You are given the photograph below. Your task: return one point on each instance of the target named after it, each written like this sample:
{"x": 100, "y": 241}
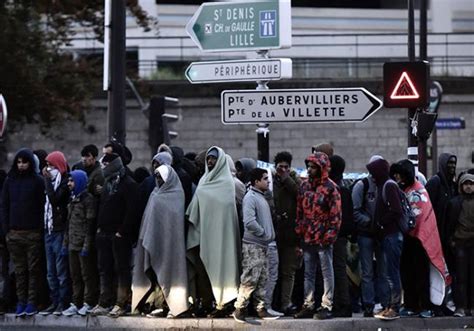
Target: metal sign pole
{"x": 263, "y": 131}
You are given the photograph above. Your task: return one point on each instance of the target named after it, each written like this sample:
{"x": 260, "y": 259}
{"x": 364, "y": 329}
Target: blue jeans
{"x": 372, "y": 288}
{"x": 314, "y": 255}
{"x": 58, "y": 268}
{"x": 392, "y": 251}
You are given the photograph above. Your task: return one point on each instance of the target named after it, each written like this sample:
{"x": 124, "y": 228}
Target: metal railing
{"x": 314, "y": 55}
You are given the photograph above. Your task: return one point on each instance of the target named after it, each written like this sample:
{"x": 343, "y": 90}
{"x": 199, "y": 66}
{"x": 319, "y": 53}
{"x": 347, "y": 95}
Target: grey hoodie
{"x": 258, "y": 225}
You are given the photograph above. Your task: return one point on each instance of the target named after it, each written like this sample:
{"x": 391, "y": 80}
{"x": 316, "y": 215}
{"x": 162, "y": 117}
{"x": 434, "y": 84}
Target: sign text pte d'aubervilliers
{"x": 244, "y": 26}
{"x": 298, "y": 105}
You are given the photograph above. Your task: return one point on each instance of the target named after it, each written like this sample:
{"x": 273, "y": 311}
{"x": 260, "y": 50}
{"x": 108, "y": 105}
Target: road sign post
{"x": 241, "y": 26}
{"x": 298, "y": 105}
{"x": 239, "y": 70}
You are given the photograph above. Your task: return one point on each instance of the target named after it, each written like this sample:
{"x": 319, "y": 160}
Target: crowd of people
{"x": 199, "y": 235}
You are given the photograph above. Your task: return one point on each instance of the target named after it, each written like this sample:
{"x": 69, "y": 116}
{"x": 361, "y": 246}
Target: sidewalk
{"x": 10, "y": 322}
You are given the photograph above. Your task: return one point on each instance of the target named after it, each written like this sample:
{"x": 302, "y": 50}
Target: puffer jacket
{"x": 318, "y": 216}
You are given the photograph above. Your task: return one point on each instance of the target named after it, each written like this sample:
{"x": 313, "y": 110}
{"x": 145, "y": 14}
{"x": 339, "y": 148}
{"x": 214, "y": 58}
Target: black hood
{"x": 244, "y": 166}
{"x": 406, "y": 169}
{"x": 443, "y": 165}
{"x": 178, "y": 155}
{"x": 25, "y": 154}
{"x": 379, "y": 169}
{"x": 338, "y": 165}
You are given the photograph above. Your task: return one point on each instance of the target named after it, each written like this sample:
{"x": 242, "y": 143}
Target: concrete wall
{"x": 200, "y": 126}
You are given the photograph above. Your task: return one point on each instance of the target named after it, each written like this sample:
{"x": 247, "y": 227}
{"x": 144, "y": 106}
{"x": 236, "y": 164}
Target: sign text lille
{"x": 241, "y": 26}
{"x": 298, "y": 105}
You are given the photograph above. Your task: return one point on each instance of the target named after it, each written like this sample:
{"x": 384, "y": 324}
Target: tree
{"x": 39, "y": 80}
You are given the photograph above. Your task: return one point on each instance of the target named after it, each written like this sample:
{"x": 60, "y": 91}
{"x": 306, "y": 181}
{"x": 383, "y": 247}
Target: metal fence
{"x": 314, "y": 55}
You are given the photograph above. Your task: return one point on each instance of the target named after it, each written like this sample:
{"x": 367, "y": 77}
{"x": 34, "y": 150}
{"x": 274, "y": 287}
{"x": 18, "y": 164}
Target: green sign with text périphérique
{"x": 241, "y": 26}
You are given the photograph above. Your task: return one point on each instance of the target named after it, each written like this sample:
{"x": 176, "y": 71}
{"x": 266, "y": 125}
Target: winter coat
{"x": 258, "y": 225}
{"x": 318, "y": 215}
{"x": 285, "y": 193}
{"x": 59, "y": 200}
{"x": 23, "y": 197}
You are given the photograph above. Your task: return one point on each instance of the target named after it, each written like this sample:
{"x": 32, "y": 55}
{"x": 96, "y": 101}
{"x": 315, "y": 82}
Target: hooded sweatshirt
{"x": 23, "y": 197}
{"x": 461, "y": 215}
{"x": 441, "y": 189}
{"x": 387, "y": 213}
{"x": 82, "y": 213}
{"x": 318, "y": 215}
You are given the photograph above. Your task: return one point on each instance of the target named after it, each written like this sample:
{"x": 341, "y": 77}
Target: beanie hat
{"x": 466, "y": 177}
{"x": 213, "y": 152}
{"x": 57, "y": 160}
{"x": 375, "y": 158}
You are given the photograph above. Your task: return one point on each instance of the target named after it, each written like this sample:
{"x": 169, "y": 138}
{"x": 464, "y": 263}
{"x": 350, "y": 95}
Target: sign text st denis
{"x": 241, "y": 26}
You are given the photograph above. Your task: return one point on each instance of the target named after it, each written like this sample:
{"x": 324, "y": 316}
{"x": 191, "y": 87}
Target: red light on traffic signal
{"x": 404, "y": 88}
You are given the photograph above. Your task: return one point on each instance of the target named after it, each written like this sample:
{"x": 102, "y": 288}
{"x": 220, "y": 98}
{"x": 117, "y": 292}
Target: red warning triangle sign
{"x": 404, "y": 88}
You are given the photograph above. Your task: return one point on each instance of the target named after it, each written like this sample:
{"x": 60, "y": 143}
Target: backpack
{"x": 407, "y": 221}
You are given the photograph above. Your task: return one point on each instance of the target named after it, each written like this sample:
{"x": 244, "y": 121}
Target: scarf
{"x": 48, "y": 208}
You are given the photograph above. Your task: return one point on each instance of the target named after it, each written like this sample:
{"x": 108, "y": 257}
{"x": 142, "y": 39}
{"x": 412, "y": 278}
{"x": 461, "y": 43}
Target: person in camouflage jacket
{"x": 318, "y": 219}
{"x": 79, "y": 239}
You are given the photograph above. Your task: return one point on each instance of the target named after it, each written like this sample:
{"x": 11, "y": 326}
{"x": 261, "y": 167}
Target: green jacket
{"x": 81, "y": 223}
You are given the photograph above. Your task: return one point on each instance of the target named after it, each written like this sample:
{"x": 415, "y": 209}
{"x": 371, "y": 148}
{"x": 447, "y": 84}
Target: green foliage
{"x": 39, "y": 81}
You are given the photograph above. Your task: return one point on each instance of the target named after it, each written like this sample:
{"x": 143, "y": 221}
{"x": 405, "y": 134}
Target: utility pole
{"x": 412, "y": 150}
{"x": 422, "y": 142}
{"x": 116, "y": 94}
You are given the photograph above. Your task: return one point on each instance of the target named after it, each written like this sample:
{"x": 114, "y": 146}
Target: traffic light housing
{"x": 159, "y": 129}
{"x": 406, "y": 84}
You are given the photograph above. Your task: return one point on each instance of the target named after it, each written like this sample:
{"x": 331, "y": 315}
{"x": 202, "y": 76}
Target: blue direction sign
{"x": 241, "y": 26}
{"x": 455, "y": 123}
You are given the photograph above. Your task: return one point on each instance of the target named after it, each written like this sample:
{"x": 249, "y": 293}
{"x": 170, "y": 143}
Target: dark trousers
{"x": 24, "y": 247}
{"x": 199, "y": 283}
{"x": 464, "y": 277}
{"x": 84, "y": 277}
{"x": 115, "y": 269}
{"x": 415, "y": 275}
{"x": 342, "y": 299}
{"x": 5, "y": 281}
{"x": 289, "y": 263}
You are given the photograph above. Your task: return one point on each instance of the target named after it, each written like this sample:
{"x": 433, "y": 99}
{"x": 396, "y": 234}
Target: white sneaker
{"x": 378, "y": 308}
{"x": 98, "y": 310}
{"x": 460, "y": 312}
{"x": 72, "y": 310}
{"x": 274, "y": 312}
{"x": 85, "y": 309}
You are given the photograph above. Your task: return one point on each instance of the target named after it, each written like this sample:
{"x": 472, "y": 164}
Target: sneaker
{"x": 275, "y": 313}
{"x": 59, "y": 310}
{"x": 160, "y": 312}
{"x": 85, "y": 309}
{"x": 265, "y": 315}
{"x": 72, "y": 310}
{"x": 218, "y": 313}
{"x": 405, "y": 312}
{"x": 305, "y": 312}
{"x": 98, "y": 310}
{"x": 117, "y": 311}
{"x": 239, "y": 315}
{"x": 48, "y": 311}
{"x": 290, "y": 310}
{"x": 369, "y": 311}
{"x": 323, "y": 314}
{"x": 460, "y": 312}
{"x": 20, "y": 310}
{"x": 426, "y": 314}
{"x": 31, "y": 309}
{"x": 388, "y": 315}
{"x": 380, "y": 313}
{"x": 378, "y": 308}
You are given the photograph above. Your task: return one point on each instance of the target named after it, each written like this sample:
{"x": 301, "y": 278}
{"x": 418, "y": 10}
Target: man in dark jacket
{"x": 22, "y": 221}
{"x": 285, "y": 192}
{"x": 91, "y": 166}
{"x": 364, "y": 198}
{"x": 117, "y": 230}
{"x": 55, "y": 219}
{"x": 342, "y": 300}
{"x": 184, "y": 177}
{"x": 442, "y": 188}
{"x": 387, "y": 215}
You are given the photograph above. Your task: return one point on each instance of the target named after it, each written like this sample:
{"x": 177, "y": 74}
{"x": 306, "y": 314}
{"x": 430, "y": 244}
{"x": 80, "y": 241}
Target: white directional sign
{"x": 298, "y": 105}
{"x": 239, "y": 70}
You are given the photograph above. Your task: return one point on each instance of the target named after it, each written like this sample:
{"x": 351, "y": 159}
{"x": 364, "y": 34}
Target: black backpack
{"x": 407, "y": 221}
